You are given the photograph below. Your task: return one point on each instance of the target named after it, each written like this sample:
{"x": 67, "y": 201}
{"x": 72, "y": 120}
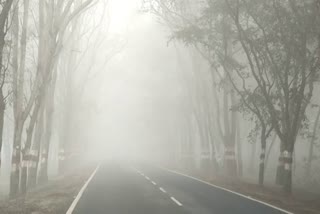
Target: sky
{"x": 123, "y": 15}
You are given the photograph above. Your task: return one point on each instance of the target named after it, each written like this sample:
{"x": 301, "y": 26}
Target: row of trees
{"x": 264, "y": 62}
{"x": 41, "y": 47}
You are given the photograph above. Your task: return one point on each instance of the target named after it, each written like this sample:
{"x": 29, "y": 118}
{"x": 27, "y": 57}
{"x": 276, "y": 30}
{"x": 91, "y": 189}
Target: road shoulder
{"x": 54, "y": 197}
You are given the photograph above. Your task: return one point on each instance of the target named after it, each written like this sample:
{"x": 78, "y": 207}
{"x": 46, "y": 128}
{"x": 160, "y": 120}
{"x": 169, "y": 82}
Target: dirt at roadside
{"x": 299, "y": 202}
{"x": 53, "y": 198}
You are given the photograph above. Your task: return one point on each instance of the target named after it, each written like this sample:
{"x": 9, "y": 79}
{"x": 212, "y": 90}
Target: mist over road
{"x": 124, "y": 189}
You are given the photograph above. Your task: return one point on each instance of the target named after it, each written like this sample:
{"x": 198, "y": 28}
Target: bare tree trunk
{"x": 230, "y": 154}
{"x": 35, "y": 157}
{"x": 27, "y": 152}
{"x": 262, "y": 155}
{"x": 6, "y": 7}
{"x": 18, "y": 125}
{"x": 288, "y": 163}
{"x": 253, "y": 155}
{"x": 43, "y": 177}
{"x": 43, "y": 173}
{"x": 65, "y": 141}
{"x": 239, "y": 148}
{"x": 280, "y": 167}
{"x": 16, "y": 160}
{"x": 2, "y": 110}
{"x": 312, "y": 142}
{"x": 68, "y": 118}
{"x": 270, "y": 149}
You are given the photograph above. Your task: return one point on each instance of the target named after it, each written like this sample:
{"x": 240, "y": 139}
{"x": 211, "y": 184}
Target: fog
{"x": 106, "y": 90}
{"x": 137, "y": 92}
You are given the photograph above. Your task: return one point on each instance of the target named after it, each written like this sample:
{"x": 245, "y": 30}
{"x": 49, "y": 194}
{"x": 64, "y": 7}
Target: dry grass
{"x": 54, "y": 197}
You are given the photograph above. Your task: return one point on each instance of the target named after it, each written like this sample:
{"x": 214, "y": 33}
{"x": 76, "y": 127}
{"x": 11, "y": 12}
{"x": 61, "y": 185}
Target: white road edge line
{"x": 76, "y": 200}
{"x": 218, "y": 187}
{"x": 154, "y": 183}
{"x": 176, "y": 201}
{"x": 147, "y": 178}
{"x": 162, "y": 190}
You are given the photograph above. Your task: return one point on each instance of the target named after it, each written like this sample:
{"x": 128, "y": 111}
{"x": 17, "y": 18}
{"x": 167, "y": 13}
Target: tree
{"x": 4, "y": 26}
{"x": 54, "y": 18}
{"x": 312, "y": 143}
{"x": 268, "y": 52}
{"x": 77, "y": 69}
{"x": 183, "y": 19}
{"x": 281, "y": 44}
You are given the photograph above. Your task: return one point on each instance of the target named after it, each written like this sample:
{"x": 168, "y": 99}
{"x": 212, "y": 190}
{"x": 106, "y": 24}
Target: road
{"x": 119, "y": 189}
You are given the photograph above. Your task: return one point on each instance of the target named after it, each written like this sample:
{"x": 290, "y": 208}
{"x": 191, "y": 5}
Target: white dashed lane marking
{"x": 176, "y": 201}
{"x": 161, "y": 189}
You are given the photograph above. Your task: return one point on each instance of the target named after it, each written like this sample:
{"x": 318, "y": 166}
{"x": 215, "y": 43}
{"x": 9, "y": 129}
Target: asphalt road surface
{"x": 118, "y": 189}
